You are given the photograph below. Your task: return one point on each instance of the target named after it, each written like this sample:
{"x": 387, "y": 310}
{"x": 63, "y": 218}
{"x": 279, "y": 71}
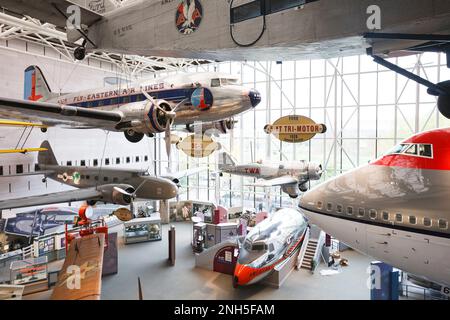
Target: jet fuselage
{"x": 394, "y": 209}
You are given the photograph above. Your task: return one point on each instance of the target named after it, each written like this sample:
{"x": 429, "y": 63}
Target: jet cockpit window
{"x": 412, "y": 219}
{"x": 259, "y": 246}
{"x": 215, "y": 82}
{"x": 373, "y": 214}
{"x": 399, "y": 217}
{"x": 421, "y": 150}
{"x": 412, "y": 150}
{"x": 426, "y": 150}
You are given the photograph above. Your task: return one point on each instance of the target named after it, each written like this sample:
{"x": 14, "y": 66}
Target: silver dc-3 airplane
{"x": 139, "y": 109}
{"x": 293, "y": 177}
{"x": 98, "y": 184}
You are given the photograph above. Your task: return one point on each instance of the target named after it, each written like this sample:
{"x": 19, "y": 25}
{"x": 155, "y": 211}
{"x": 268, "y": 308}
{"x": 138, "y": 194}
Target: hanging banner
{"x": 295, "y": 129}
{"x": 198, "y": 146}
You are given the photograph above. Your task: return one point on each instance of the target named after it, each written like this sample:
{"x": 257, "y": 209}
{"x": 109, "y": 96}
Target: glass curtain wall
{"x": 366, "y": 108}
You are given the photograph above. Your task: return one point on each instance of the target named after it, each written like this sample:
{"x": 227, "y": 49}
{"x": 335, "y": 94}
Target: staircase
{"x": 309, "y": 254}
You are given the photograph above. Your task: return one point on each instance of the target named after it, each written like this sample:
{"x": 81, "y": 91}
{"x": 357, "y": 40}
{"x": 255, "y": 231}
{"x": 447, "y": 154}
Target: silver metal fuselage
{"x": 148, "y": 187}
{"x": 321, "y": 29}
{"x": 228, "y": 100}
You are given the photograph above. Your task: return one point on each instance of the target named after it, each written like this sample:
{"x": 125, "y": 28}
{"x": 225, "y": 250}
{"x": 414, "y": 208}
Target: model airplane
{"x": 95, "y": 184}
{"x": 258, "y": 30}
{"x": 269, "y": 244}
{"x": 145, "y": 108}
{"x": 394, "y": 209}
{"x": 293, "y": 177}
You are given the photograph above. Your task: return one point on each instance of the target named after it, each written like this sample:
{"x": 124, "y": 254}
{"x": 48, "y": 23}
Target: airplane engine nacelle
{"x": 149, "y": 117}
{"x": 156, "y": 116}
{"x": 443, "y": 102}
{"x": 213, "y": 128}
{"x": 292, "y": 190}
{"x": 118, "y": 194}
{"x": 314, "y": 171}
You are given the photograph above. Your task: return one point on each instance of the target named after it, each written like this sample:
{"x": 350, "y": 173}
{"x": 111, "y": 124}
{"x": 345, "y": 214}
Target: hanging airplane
{"x": 293, "y": 177}
{"x": 145, "y": 108}
{"x": 394, "y": 209}
{"x": 98, "y": 184}
{"x": 269, "y": 244}
{"x": 256, "y": 30}
{"x": 20, "y": 146}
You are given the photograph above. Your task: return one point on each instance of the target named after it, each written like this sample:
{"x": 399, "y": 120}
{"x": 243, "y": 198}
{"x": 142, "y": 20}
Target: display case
{"x": 198, "y": 237}
{"x": 142, "y": 229}
{"x": 31, "y": 273}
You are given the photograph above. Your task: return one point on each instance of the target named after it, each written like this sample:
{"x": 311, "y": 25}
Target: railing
{"x": 420, "y": 293}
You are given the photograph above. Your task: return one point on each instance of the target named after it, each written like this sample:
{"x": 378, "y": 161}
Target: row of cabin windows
{"x": 373, "y": 214}
{"x": 97, "y": 178}
{"x": 110, "y": 161}
{"x": 19, "y": 169}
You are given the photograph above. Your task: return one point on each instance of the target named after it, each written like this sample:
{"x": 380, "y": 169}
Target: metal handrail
{"x": 405, "y": 289}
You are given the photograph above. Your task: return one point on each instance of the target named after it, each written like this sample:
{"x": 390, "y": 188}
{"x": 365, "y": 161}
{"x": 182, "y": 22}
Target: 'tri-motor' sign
{"x": 295, "y": 129}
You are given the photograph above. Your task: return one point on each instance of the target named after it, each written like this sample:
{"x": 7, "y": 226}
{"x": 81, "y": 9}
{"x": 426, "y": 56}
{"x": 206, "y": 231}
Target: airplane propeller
{"x": 170, "y": 116}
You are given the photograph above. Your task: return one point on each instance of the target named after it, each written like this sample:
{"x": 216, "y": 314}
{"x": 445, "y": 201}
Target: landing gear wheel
{"x": 44, "y": 180}
{"x": 91, "y": 202}
{"x": 133, "y": 136}
{"x": 303, "y": 188}
{"x": 43, "y": 130}
{"x": 80, "y": 53}
{"x": 293, "y": 197}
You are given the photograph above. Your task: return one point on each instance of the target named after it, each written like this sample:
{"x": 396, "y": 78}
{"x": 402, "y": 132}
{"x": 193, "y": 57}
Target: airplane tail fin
{"x": 46, "y": 158}
{"x": 35, "y": 86}
{"x": 225, "y": 160}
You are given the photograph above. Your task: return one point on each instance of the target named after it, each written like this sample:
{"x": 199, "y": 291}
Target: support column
{"x": 164, "y": 211}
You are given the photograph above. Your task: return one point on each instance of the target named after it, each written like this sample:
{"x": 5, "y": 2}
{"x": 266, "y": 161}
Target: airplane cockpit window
{"x": 412, "y": 219}
{"x": 426, "y": 150}
{"x": 421, "y": 150}
{"x": 412, "y": 150}
{"x": 427, "y": 222}
{"x": 259, "y": 246}
{"x": 215, "y": 82}
{"x": 229, "y": 82}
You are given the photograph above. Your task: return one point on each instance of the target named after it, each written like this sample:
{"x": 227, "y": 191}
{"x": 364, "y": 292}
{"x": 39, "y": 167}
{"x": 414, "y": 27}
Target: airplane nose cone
{"x": 255, "y": 97}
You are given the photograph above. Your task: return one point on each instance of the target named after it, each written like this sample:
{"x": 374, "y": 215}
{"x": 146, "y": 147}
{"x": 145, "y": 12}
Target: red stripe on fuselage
{"x": 439, "y": 139}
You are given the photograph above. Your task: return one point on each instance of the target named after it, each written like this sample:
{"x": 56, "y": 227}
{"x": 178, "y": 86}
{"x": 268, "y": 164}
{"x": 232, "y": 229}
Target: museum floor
{"x": 183, "y": 281}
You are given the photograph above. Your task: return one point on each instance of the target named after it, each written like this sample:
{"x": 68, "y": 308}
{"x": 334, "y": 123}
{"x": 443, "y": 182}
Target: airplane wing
{"x": 52, "y": 198}
{"x": 53, "y": 114}
{"x": 49, "y": 11}
{"x": 280, "y": 181}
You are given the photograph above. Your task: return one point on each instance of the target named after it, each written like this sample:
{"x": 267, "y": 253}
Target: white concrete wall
{"x": 73, "y": 145}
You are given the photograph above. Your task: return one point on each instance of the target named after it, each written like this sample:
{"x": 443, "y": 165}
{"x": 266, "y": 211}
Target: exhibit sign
{"x": 198, "y": 146}
{"x": 295, "y": 129}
